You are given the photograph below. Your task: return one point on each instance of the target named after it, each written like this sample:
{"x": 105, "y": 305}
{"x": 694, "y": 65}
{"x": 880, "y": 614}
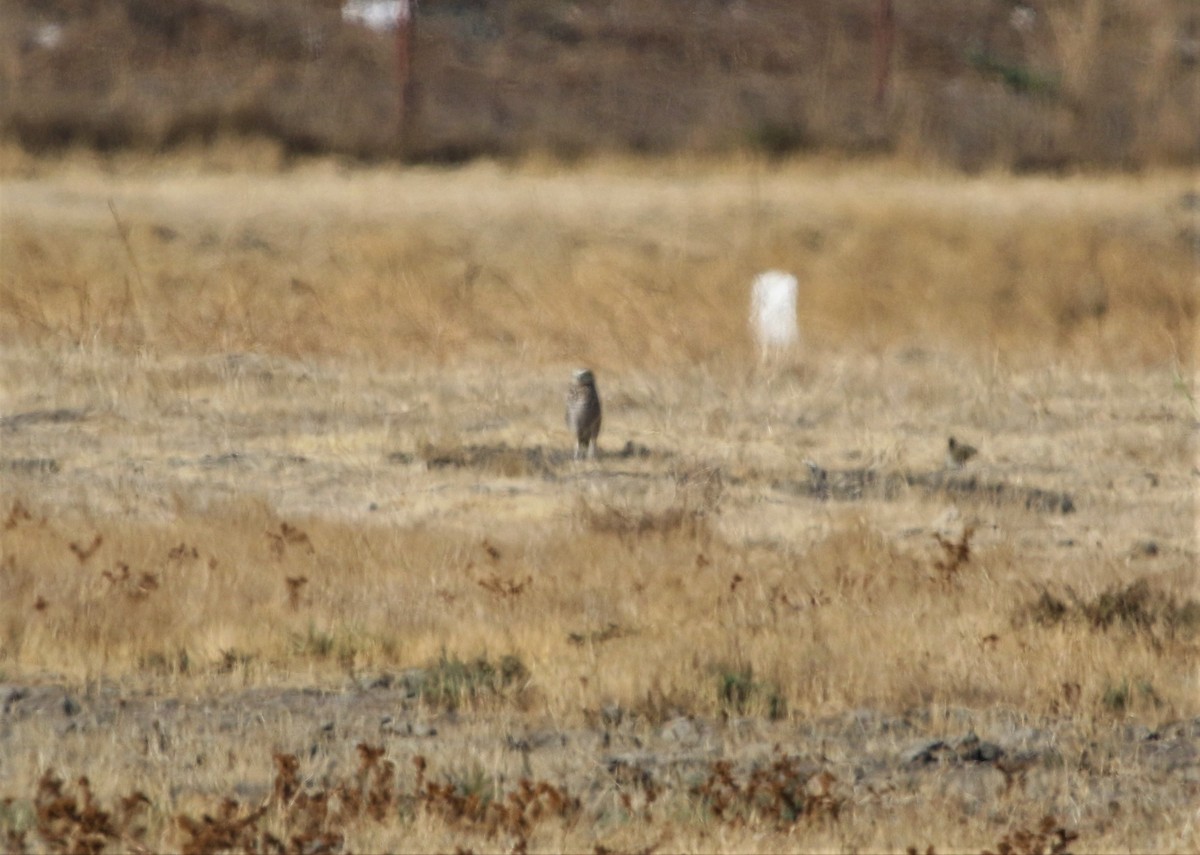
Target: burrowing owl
{"x": 958, "y": 453}
{"x": 583, "y": 411}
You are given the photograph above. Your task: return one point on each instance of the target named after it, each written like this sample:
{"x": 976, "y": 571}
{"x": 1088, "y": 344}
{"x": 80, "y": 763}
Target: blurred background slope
{"x": 971, "y": 84}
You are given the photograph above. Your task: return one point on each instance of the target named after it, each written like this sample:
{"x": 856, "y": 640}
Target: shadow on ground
{"x": 846, "y": 485}
{"x": 849, "y": 485}
{"x": 509, "y": 462}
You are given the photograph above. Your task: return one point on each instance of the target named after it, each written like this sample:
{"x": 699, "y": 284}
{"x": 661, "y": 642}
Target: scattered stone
{"x": 406, "y": 728}
{"x": 1185, "y": 729}
{"x": 982, "y": 752}
{"x": 14, "y": 696}
{"x": 1145, "y": 549}
{"x": 412, "y": 682}
{"x": 683, "y": 730}
{"x": 630, "y": 449}
{"x": 948, "y": 523}
{"x": 634, "y": 768}
{"x": 612, "y": 715}
{"x": 1138, "y": 732}
{"x": 534, "y": 741}
{"x": 925, "y": 753}
{"x": 381, "y": 681}
{"x": 850, "y": 485}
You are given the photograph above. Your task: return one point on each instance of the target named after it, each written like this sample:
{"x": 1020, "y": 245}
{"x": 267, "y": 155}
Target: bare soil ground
{"x": 282, "y": 478}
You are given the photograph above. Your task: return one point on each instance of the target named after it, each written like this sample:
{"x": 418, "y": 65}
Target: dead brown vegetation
{"x": 1049, "y": 837}
{"x": 1136, "y": 606}
{"x": 1057, "y": 85}
{"x": 298, "y": 817}
{"x": 781, "y": 793}
{"x": 76, "y": 822}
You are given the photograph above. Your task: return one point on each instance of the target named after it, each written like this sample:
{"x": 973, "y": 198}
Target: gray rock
{"x": 13, "y": 696}
{"x": 406, "y": 728}
{"x": 536, "y": 740}
{"x": 612, "y": 715}
{"x": 1185, "y": 729}
{"x": 1145, "y": 549}
{"x": 412, "y": 682}
{"x": 682, "y": 730}
{"x": 380, "y": 681}
{"x": 633, "y": 767}
{"x": 981, "y": 752}
{"x": 925, "y": 752}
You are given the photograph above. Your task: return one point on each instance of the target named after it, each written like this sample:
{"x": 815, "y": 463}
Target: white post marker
{"x": 386, "y": 16}
{"x": 773, "y": 311}
{"x": 378, "y": 15}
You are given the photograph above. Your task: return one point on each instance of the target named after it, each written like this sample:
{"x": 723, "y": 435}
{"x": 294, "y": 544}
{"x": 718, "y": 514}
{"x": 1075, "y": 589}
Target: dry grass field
{"x": 284, "y": 484}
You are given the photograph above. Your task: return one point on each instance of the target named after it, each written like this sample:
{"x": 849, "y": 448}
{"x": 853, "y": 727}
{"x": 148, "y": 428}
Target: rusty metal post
{"x": 885, "y": 36}
{"x": 406, "y": 25}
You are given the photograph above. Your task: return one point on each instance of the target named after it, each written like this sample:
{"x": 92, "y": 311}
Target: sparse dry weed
{"x": 206, "y": 594}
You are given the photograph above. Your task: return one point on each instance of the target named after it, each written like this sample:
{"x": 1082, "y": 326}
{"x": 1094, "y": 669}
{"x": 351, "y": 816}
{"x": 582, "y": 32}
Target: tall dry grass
{"x": 620, "y": 265}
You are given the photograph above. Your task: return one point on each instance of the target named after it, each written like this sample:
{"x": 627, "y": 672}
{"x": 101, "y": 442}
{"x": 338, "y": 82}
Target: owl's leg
{"x": 592, "y": 449}
{"x": 578, "y": 449}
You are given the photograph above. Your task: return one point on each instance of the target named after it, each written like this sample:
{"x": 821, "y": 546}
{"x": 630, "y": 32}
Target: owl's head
{"x": 583, "y": 377}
